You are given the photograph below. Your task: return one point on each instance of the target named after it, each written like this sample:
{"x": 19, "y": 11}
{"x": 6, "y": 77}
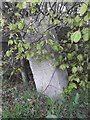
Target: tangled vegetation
{"x": 70, "y": 49}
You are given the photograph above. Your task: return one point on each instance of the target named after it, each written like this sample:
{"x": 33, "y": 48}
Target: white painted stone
{"x": 49, "y": 80}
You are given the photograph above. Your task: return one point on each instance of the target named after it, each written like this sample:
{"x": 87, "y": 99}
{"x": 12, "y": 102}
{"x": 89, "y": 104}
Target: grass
{"x": 19, "y": 102}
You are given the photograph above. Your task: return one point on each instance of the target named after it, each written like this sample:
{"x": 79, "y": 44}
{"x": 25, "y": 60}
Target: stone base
{"x": 49, "y": 80}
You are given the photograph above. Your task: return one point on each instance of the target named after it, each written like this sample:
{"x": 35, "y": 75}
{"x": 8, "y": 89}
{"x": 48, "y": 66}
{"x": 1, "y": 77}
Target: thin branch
{"x": 49, "y": 81}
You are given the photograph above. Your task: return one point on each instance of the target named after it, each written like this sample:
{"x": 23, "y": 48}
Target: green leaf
{"x": 51, "y": 116}
{"x": 8, "y": 53}
{"x": 62, "y": 67}
{"x": 2, "y": 22}
{"x": 17, "y": 14}
{"x": 12, "y": 27}
{"x": 56, "y": 63}
{"x": 20, "y": 45}
{"x": 82, "y": 83}
{"x": 32, "y": 54}
{"x": 61, "y": 48}
{"x": 21, "y": 5}
{"x": 20, "y": 26}
{"x": 56, "y": 21}
{"x": 55, "y": 47}
{"x": 77, "y": 19}
{"x": 42, "y": 43}
{"x": 27, "y": 46}
{"x": 80, "y": 68}
{"x": 52, "y": 55}
{"x": 74, "y": 69}
{"x": 38, "y": 52}
{"x": 20, "y": 49}
{"x": 81, "y": 23}
{"x": 27, "y": 54}
{"x": 80, "y": 57}
{"x": 47, "y": 57}
{"x": 24, "y": 5}
{"x": 38, "y": 46}
{"x": 88, "y": 67}
{"x": 33, "y": 10}
{"x": 10, "y": 42}
{"x": 85, "y": 30}
{"x": 86, "y": 36}
{"x": 23, "y": 21}
{"x": 77, "y": 80}
{"x": 87, "y": 16}
{"x": 69, "y": 56}
{"x": 76, "y": 36}
{"x": 83, "y": 8}
{"x": 49, "y": 101}
{"x": 72, "y": 85}
{"x": 44, "y": 51}
{"x": 76, "y": 98}
{"x": 17, "y": 56}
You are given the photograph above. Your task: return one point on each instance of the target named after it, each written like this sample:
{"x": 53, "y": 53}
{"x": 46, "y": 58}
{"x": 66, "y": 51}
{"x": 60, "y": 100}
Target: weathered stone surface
{"x": 49, "y": 80}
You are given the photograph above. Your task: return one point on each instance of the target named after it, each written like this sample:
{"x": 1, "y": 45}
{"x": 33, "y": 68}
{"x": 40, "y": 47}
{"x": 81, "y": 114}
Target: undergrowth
{"x": 19, "y": 102}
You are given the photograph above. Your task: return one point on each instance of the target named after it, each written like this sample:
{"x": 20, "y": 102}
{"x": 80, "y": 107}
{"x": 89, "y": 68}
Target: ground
{"x": 21, "y": 101}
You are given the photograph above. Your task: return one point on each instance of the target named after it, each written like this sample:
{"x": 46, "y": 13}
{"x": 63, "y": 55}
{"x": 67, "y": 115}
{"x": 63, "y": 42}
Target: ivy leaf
{"x": 44, "y": 51}
{"x": 12, "y": 27}
{"x": 69, "y": 56}
{"x": 86, "y": 36}
{"x": 20, "y": 26}
{"x": 76, "y": 36}
{"x": 20, "y": 49}
{"x": 77, "y": 18}
{"x": 77, "y": 80}
{"x": 87, "y": 16}
{"x": 88, "y": 67}
{"x": 56, "y": 21}
{"x": 33, "y": 10}
{"x": 80, "y": 68}
{"x": 62, "y": 67}
{"x": 27, "y": 55}
{"x": 38, "y": 52}
{"x": 21, "y": 5}
{"x": 17, "y": 14}
{"x": 80, "y": 57}
{"x": 72, "y": 85}
{"x": 42, "y": 43}
{"x": 55, "y": 47}
{"x": 24, "y": 5}
{"x": 27, "y": 46}
{"x": 10, "y": 42}
{"x": 74, "y": 69}
{"x": 38, "y": 46}
{"x": 83, "y": 8}
{"x": 8, "y": 53}
{"x": 32, "y": 54}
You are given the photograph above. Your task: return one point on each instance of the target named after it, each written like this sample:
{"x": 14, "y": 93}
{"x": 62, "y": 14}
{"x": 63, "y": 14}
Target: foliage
{"x": 19, "y": 102}
{"x": 71, "y": 53}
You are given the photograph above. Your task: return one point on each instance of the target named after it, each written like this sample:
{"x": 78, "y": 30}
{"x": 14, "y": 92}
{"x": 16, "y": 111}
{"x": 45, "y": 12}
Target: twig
{"x": 49, "y": 81}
